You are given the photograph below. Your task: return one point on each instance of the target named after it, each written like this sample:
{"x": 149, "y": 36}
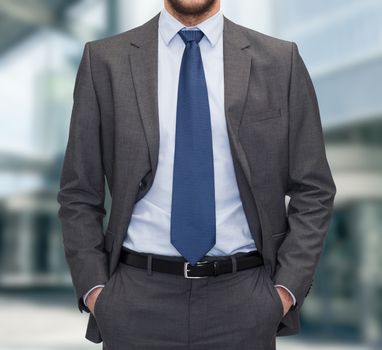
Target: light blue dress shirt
{"x": 149, "y": 227}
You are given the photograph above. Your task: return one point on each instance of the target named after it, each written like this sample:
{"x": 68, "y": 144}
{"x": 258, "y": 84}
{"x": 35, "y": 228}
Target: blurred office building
{"x": 41, "y": 43}
{"x": 341, "y": 43}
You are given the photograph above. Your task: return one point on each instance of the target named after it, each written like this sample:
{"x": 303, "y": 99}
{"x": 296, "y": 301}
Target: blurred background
{"x": 41, "y": 42}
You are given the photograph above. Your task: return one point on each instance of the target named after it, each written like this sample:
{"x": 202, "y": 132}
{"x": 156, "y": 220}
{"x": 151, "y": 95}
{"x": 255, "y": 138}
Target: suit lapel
{"x": 144, "y": 68}
{"x": 237, "y": 67}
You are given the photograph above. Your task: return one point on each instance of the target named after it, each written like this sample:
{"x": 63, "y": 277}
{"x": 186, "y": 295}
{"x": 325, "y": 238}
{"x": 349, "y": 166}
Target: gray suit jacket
{"x": 275, "y": 136}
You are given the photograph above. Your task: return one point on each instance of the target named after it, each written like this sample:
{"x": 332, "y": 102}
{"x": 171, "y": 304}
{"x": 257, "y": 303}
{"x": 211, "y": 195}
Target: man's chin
{"x": 192, "y": 8}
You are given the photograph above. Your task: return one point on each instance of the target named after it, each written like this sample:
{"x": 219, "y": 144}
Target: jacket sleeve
{"x": 81, "y": 195}
{"x": 310, "y": 186}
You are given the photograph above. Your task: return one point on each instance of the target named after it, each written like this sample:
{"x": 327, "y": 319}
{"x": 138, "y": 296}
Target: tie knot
{"x": 191, "y": 35}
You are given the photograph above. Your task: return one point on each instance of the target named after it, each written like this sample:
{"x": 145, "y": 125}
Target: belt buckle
{"x": 186, "y": 270}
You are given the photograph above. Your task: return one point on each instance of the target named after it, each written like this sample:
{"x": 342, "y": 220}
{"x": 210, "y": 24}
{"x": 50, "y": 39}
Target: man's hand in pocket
{"x": 286, "y": 299}
{"x": 92, "y": 297}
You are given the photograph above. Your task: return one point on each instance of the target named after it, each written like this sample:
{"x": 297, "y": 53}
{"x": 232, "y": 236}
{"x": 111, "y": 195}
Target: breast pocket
{"x": 264, "y": 138}
{"x": 252, "y": 115}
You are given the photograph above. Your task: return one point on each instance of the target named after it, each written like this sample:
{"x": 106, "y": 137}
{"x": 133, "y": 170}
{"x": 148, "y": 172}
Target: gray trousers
{"x": 149, "y": 310}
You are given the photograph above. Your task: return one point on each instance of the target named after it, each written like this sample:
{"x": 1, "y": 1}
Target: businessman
{"x": 201, "y": 128}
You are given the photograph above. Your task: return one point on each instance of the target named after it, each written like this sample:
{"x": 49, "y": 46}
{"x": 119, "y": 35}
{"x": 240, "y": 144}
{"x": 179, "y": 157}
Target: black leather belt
{"x": 203, "y": 268}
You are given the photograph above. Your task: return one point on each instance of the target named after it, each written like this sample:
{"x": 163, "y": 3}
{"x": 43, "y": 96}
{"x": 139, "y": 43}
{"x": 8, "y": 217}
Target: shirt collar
{"x": 169, "y": 26}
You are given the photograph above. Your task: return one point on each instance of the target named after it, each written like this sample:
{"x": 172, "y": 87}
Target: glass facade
{"x": 340, "y": 42}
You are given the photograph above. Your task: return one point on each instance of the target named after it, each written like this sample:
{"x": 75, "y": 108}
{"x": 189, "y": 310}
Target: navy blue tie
{"x": 193, "y": 224}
